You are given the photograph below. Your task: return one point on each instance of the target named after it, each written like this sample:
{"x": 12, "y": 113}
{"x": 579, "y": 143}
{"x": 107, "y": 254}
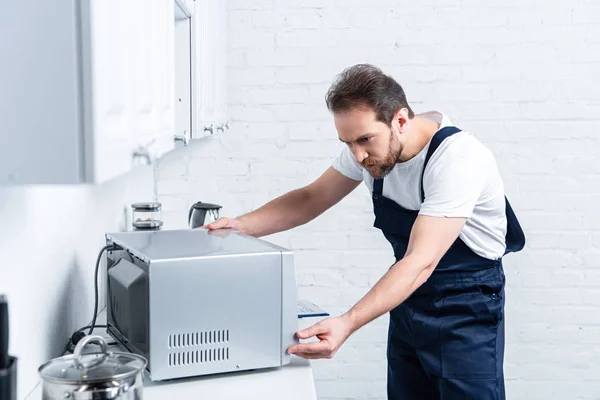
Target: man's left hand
{"x": 332, "y": 333}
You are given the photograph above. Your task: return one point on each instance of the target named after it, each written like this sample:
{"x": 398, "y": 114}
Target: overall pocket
{"x": 468, "y": 335}
{"x": 492, "y": 295}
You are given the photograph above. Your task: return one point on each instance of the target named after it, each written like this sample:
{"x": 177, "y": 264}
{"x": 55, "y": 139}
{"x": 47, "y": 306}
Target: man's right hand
{"x": 226, "y": 223}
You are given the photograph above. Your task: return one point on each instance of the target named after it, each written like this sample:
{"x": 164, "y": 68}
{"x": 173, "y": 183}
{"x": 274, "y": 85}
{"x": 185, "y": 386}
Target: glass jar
{"x": 146, "y": 216}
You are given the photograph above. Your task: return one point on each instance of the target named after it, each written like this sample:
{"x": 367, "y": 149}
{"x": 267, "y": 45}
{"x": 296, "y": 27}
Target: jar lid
{"x": 148, "y": 206}
{"x": 92, "y": 367}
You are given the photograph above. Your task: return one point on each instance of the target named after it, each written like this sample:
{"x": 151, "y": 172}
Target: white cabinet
{"x": 87, "y": 89}
{"x": 211, "y": 66}
{"x": 91, "y": 88}
{"x": 209, "y": 63}
{"x": 200, "y": 68}
{"x": 184, "y": 71}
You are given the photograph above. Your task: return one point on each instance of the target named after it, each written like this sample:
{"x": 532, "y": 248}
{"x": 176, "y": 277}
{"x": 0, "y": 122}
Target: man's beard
{"x": 380, "y": 169}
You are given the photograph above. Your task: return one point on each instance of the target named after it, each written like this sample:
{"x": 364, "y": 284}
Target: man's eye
{"x": 365, "y": 139}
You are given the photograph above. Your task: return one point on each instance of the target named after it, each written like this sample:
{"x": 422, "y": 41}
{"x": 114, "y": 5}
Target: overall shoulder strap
{"x": 437, "y": 139}
{"x": 378, "y": 186}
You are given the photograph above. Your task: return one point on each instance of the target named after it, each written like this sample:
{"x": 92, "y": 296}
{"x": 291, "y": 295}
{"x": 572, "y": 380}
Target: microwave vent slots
{"x": 197, "y": 339}
{"x": 183, "y": 358}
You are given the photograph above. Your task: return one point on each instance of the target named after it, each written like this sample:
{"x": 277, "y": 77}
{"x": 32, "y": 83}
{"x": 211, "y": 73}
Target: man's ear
{"x": 401, "y": 119}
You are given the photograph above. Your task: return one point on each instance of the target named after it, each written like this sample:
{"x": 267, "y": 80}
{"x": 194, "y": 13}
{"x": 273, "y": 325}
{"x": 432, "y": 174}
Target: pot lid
{"x": 204, "y": 206}
{"x": 92, "y": 367}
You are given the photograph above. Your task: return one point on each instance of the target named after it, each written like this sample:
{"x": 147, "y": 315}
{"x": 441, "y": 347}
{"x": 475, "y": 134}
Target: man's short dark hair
{"x": 365, "y": 85}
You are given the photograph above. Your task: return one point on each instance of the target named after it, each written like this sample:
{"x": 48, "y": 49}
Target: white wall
{"x": 49, "y": 242}
{"x": 521, "y": 75}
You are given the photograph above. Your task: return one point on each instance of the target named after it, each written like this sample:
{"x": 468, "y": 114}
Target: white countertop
{"x": 294, "y": 381}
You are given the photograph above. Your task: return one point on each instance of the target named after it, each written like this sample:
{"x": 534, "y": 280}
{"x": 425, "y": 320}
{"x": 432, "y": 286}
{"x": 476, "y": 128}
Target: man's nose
{"x": 359, "y": 154}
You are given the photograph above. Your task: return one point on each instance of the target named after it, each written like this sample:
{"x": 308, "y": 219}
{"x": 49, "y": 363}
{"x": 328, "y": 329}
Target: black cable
{"x": 93, "y": 324}
{"x": 130, "y": 257}
{"x": 79, "y": 333}
{"x": 90, "y": 326}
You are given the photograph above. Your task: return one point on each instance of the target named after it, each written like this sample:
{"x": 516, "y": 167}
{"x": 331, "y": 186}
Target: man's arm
{"x": 429, "y": 240}
{"x": 453, "y": 184}
{"x": 294, "y": 208}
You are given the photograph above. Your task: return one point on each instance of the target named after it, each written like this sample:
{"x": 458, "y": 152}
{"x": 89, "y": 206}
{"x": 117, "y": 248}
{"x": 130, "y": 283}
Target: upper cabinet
{"x": 211, "y": 66}
{"x": 201, "y": 62}
{"x": 131, "y": 75}
{"x": 91, "y": 88}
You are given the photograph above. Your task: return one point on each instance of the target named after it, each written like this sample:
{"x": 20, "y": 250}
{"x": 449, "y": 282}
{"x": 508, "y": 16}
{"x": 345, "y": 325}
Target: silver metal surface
{"x": 222, "y": 127}
{"x": 184, "y": 138}
{"x": 213, "y": 214}
{"x": 143, "y": 153}
{"x": 218, "y": 301}
{"x": 69, "y": 377}
{"x": 150, "y": 225}
{"x": 128, "y": 389}
{"x": 289, "y": 302}
{"x": 79, "y": 348}
{"x": 238, "y": 295}
{"x": 210, "y": 128}
{"x": 149, "y": 206}
{"x": 159, "y": 246}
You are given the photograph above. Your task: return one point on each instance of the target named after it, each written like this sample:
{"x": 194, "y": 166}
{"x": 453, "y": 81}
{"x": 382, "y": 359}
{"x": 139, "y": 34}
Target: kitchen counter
{"x": 291, "y": 382}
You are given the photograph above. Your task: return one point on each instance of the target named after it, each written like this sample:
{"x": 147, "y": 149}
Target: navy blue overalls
{"x": 446, "y": 341}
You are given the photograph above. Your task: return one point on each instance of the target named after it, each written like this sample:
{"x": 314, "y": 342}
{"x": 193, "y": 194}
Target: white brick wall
{"x": 521, "y": 74}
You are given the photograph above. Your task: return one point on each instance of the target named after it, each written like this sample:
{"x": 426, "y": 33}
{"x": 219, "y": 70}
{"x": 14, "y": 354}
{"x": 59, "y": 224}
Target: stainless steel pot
{"x": 105, "y": 375}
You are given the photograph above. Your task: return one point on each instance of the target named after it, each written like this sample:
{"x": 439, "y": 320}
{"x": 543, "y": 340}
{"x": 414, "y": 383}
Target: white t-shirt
{"x": 461, "y": 180}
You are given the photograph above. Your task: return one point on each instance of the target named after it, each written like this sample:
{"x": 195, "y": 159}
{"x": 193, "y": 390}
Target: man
{"x": 439, "y": 200}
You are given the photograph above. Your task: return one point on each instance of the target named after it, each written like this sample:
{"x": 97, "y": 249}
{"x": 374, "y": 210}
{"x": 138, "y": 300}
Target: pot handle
{"x": 79, "y": 348}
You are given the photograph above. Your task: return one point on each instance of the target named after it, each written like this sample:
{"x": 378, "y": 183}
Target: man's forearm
{"x": 399, "y": 282}
{"x": 288, "y": 211}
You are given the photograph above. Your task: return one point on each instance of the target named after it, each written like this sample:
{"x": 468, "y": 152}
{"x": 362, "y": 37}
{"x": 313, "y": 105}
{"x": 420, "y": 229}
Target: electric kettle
{"x": 199, "y": 211}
